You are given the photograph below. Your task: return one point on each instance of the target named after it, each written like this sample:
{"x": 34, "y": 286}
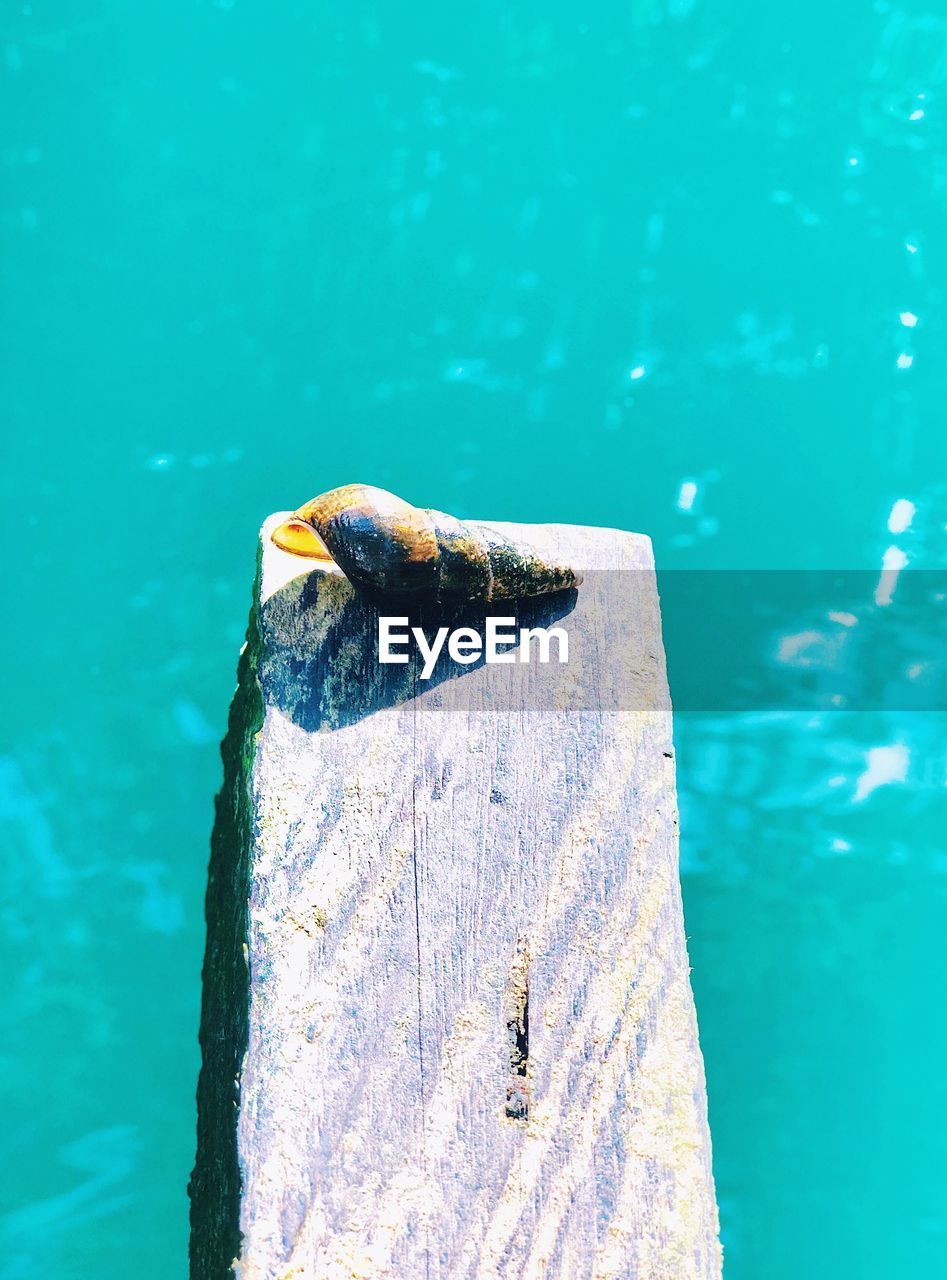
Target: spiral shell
{"x": 384, "y": 544}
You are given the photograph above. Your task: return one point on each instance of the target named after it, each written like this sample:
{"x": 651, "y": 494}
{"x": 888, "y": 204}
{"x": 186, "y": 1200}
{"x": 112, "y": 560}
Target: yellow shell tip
{"x": 299, "y": 539}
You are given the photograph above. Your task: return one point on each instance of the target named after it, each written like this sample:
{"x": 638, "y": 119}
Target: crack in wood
{"x": 517, "y": 1028}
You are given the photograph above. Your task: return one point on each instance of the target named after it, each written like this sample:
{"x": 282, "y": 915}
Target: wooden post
{"x": 448, "y": 1032}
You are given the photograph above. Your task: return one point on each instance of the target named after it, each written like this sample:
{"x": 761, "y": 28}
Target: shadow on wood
{"x": 320, "y": 663}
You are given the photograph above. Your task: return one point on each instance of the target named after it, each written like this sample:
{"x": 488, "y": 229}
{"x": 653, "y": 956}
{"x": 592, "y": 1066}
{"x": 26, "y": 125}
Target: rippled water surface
{"x": 670, "y": 265}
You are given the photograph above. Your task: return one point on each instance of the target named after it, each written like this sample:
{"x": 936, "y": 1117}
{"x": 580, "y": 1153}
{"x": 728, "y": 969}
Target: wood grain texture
{"x": 465, "y": 1037}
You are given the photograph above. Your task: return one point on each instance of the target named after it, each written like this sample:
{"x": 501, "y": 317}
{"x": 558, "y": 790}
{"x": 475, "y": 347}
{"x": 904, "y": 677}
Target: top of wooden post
{"x": 448, "y": 1029}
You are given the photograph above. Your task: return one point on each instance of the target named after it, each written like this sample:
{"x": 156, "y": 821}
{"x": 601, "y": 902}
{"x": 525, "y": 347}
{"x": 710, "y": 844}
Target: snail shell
{"x": 383, "y": 543}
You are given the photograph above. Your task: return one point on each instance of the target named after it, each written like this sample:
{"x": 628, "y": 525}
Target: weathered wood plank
{"x": 465, "y": 1034}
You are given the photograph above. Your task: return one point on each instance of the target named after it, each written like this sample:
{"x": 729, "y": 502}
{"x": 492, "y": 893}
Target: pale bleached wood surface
{"x": 402, "y": 862}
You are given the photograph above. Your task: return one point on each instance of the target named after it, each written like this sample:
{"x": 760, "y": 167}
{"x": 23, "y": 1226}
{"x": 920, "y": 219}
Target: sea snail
{"x": 383, "y": 544}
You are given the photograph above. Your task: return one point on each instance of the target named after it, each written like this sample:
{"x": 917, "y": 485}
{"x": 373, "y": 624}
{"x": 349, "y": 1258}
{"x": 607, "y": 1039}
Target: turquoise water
{"x": 651, "y": 264}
